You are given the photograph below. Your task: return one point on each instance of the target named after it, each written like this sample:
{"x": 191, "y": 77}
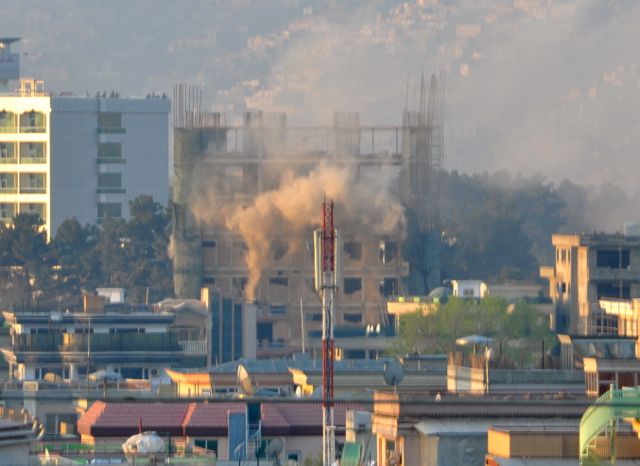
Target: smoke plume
{"x": 290, "y": 212}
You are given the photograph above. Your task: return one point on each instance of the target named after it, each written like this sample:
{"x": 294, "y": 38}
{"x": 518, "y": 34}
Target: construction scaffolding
{"x": 423, "y": 155}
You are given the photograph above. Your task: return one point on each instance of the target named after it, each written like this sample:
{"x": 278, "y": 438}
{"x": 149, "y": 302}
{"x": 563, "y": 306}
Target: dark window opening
{"x": 388, "y": 251}
{"x": 389, "y": 287}
{"x": 211, "y": 445}
{"x": 613, "y": 258}
{"x": 264, "y": 331}
{"x": 282, "y": 281}
{"x": 208, "y": 244}
{"x": 279, "y": 250}
{"x": 353, "y": 318}
{"x": 614, "y": 290}
{"x": 352, "y": 285}
{"x": 313, "y": 316}
{"x": 209, "y": 281}
{"x": 239, "y": 283}
{"x": 353, "y": 250}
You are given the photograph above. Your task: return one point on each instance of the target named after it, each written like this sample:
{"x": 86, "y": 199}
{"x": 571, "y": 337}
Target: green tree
{"x": 518, "y": 327}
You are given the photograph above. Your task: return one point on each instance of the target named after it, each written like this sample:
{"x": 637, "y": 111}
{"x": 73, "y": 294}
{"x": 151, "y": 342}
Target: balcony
{"x": 8, "y": 160}
{"x": 96, "y": 342}
{"x": 32, "y": 190}
{"x": 193, "y": 346}
{"x": 33, "y": 129}
{"x": 33, "y": 160}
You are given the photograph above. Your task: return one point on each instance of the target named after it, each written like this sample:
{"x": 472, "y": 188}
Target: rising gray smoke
{"x": 289, "y": 212}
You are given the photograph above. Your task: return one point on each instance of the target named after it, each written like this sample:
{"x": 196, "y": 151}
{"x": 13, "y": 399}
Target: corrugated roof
{"x": 211, "y": 419}
{"x": 203, "y": 419}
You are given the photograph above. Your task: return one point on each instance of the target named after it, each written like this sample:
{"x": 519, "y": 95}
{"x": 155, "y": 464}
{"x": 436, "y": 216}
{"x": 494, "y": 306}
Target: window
{"x": 211, "y": 445}
{"x": 7, "y": 122}
{"x": 353, "y": 250}
{"x": 7, "y": 211}
{"x": 109, "y": 180}
{"x": 352, "y": 285}
{"x": 388, "y": 287}
{"x": 239, "y": 283}
{"x": 109, "y": 210}
{"x": 313, "y": 317}
{"x": 7, "y": 152}
{"x": 387, "y": 251}
{"x": 563, "y": 255}
{"x": 614, "y": 290}
{"x": 37, "y": 208}
{"x": 468, "y": 292}
{"x": 33, "y": 152}
{"x": 293, "y": 456}
{"x": 613, "y": 258}
{"x": 127, "y": 330}
{"x": 264, "y": 331}
{"x": 277, "y": 309}
{"x": 109, "y": 120}
{"x": 282, "y": 281}
{"x": 32, "y": 122}
{"x": 7, "y": 182}
{"x": 132, "y": 373}
{"x": 353, "y": 318}
{"x": 33, "y": 183}
{"x": 109, "y": 150}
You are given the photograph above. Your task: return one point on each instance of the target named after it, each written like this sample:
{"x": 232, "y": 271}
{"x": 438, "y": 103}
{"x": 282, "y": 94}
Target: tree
{"x": 518, "y": 327}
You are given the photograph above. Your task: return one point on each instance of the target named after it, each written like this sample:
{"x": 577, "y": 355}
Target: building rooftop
{"x": 109, "y": 419}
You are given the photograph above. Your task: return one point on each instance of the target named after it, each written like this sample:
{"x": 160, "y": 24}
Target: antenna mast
{"x": 326, "y": 278}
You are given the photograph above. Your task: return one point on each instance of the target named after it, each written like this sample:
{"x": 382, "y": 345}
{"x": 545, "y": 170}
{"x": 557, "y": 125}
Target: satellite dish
{"x": 274, "y": 448}
{"x": 244, "y": 380}
{"x": 393, "y": 373}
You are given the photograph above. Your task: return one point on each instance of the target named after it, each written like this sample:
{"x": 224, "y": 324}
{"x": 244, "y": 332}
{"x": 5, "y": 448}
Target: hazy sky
{"x": 553, "y": 90}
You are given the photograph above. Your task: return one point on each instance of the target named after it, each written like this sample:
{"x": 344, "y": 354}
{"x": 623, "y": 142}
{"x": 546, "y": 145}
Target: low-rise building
{"x": 588, "y": 268}
{"x": 227, "y": 428}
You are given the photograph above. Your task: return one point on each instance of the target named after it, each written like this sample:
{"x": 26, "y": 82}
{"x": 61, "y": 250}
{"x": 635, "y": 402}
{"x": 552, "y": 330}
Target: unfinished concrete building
{"x": 238, "y": 163}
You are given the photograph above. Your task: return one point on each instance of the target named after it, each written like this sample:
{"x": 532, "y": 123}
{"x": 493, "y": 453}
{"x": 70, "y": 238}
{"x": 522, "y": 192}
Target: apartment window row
{"x": 25, "y": 183}
{"x": 31, "y": 121}
{"x": 23, "y": 152}
{"x": 8, "y": 210}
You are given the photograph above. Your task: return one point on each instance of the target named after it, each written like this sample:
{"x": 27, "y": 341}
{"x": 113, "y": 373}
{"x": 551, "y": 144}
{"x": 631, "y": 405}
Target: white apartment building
{"x": 80, "y": 156}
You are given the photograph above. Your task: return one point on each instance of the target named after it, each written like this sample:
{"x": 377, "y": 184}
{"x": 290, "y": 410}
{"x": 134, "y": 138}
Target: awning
{"x": 351, "y": 454}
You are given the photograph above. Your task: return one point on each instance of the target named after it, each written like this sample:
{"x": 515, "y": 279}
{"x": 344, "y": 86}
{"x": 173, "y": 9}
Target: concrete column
{"x": 73, "y": 372}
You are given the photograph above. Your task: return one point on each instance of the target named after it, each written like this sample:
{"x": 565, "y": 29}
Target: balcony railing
{"x": 8, "y": 160}
{"x": 32, "y": 190}
{"x": 9, "y": 190}
{"x": 193, "y": 346}
{"x": 8, "y": 129}
{"x": 41, "y": 159}
{"x": 96, "y": 342}
{"x": 33, "y": 129}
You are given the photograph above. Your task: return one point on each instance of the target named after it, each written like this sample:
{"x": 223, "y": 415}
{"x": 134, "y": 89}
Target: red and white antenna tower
{"x": 326, "y": 255}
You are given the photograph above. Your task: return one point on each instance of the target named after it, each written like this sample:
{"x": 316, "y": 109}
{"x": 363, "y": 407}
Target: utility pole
{"x": 326, "y": 255}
